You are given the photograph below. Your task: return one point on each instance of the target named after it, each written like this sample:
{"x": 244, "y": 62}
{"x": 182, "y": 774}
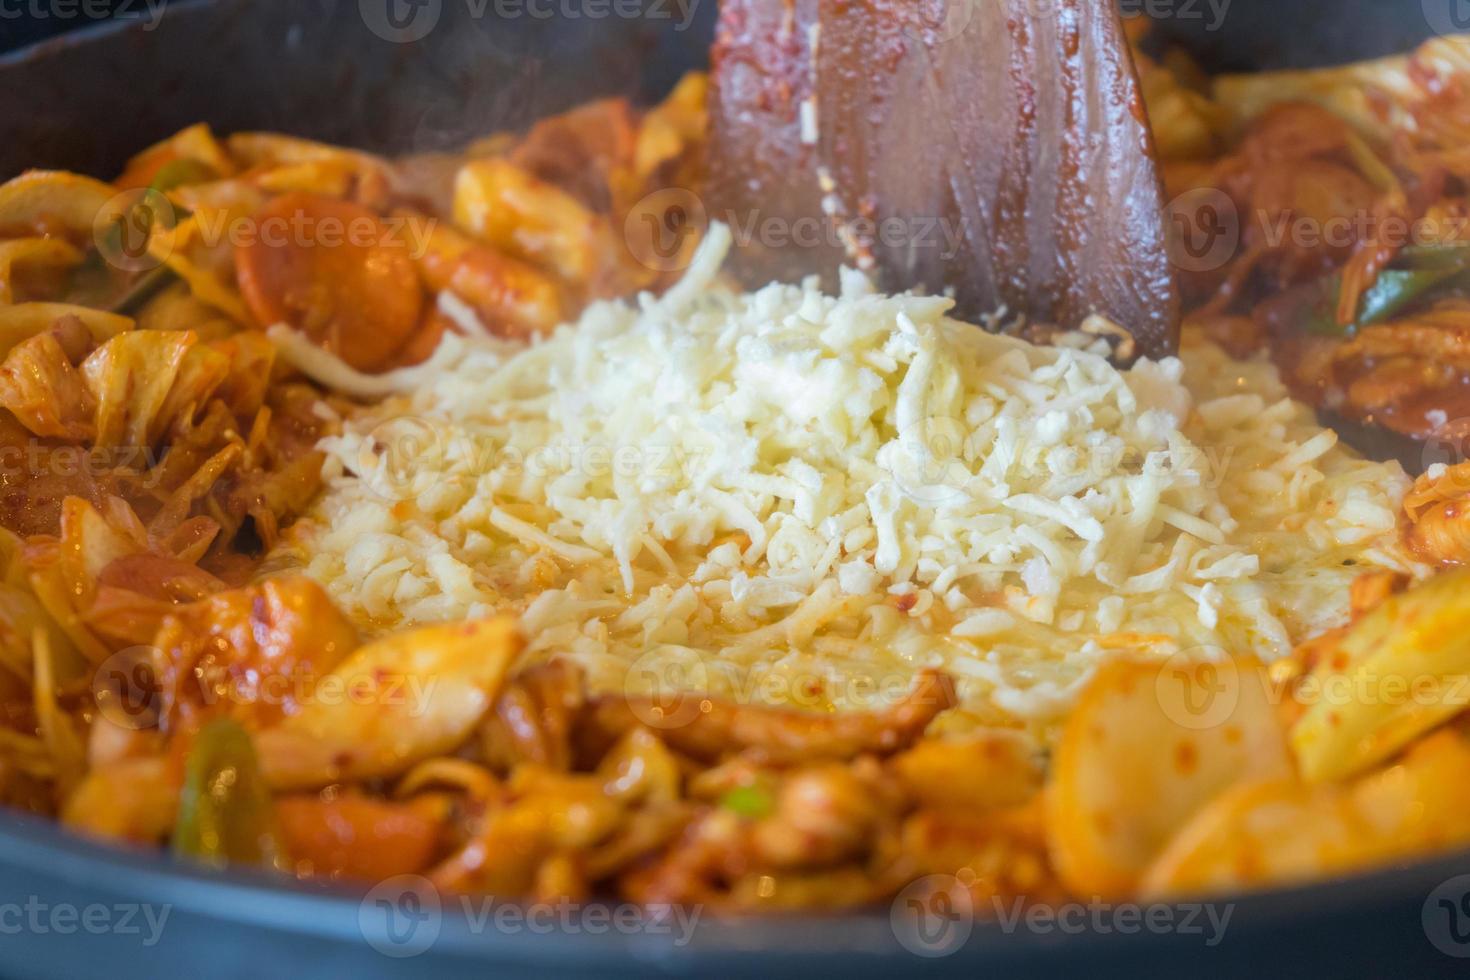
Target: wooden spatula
{"x": 995, "y": 147}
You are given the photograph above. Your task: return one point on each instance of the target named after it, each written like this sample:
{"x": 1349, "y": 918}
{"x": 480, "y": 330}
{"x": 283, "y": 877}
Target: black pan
{"x": 70, "y": 907}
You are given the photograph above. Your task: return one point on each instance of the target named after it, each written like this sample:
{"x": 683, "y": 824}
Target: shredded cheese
{"x": 814, "y": 496}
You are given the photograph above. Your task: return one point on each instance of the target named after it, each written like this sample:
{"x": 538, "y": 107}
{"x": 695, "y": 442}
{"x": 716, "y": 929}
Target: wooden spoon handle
{"x": 996, "y": 147}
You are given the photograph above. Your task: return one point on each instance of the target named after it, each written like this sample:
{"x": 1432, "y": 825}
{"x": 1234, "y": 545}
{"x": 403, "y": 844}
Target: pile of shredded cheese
{"x": 790, "y": 497}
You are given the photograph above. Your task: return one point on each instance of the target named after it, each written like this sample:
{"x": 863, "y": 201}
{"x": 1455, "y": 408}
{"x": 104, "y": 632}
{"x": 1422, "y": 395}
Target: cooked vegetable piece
{"x": 709, "y": 728}
{"x": 1375, "y": 96}
{"x": 1313, "y": 193}
{"x": 179, "y": 251}
{"x": 418, "y": 694}
{"x": 525, "y": 216}
{"x": 1010, "y": 844}
{"x": 92, "y": 539}
{"x": 225, "y": 811}
{"x": 1391, "y": 292}
{"x": 550, "y": 814}
{"x": 1400, "y": 671}
{"x": 56, "y": 666}
{"x": 1438, "y": 518}
{"x": 823, "y": 815}
{"x": 21, "y": 614}
{"x": 134, "y": 800}
{"x": 511, "y": 297}
{"x": 292, "y": 163}
{"x": 1146, "y": 746}
{"x": 672, "y": 132}
{"x": 130, "y": 377}
{"x": 640, "y": 769}
{"x": 39, "y": 385}
{"x": 174, "y": 307}
{"x": 178, "y": 172}
{"x": 750, "y": 802}
{"x": 1396, "y": 289}
{"x": 202, "y": 371}
{"x": 1258, "y": 832}
{"x": 588, "y": 151}
{"x": 333, "y": 270}
{"x": 532, "y": 718}
{"x": 23, "y": 256}
{"x": 981, "y": 772}
{"x": 194, "y": 154}
{"x": 1427, "y": 258}
{"x": 252, "y": 652}
{"x": 1282, "y": 831}
{"x": 354, "y": 836}
{"x": 25, "y": 320}
{"x": 45, "y": 202}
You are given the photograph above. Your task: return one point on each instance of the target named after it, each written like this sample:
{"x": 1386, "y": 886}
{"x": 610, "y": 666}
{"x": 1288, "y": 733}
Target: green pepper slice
{"x": 177, "y": 173}
{"x": 226, "y": 815}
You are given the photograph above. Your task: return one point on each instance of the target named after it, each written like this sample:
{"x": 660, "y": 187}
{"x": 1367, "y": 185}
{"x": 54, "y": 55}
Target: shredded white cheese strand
{"x": 332, "y": 372}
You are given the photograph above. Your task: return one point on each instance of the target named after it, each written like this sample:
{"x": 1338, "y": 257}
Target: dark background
{"x": 317, "y": 68}
{"x": 1351, "y": 28}
{"x": 20, "y": 27}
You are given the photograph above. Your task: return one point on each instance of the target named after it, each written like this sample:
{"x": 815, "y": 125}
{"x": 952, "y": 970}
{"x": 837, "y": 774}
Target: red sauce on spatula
{"x": 998, "y": 148}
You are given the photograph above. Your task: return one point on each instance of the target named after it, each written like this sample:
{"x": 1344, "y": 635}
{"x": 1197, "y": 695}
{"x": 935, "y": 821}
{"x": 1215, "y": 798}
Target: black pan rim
{"x": 329, "y": 910}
